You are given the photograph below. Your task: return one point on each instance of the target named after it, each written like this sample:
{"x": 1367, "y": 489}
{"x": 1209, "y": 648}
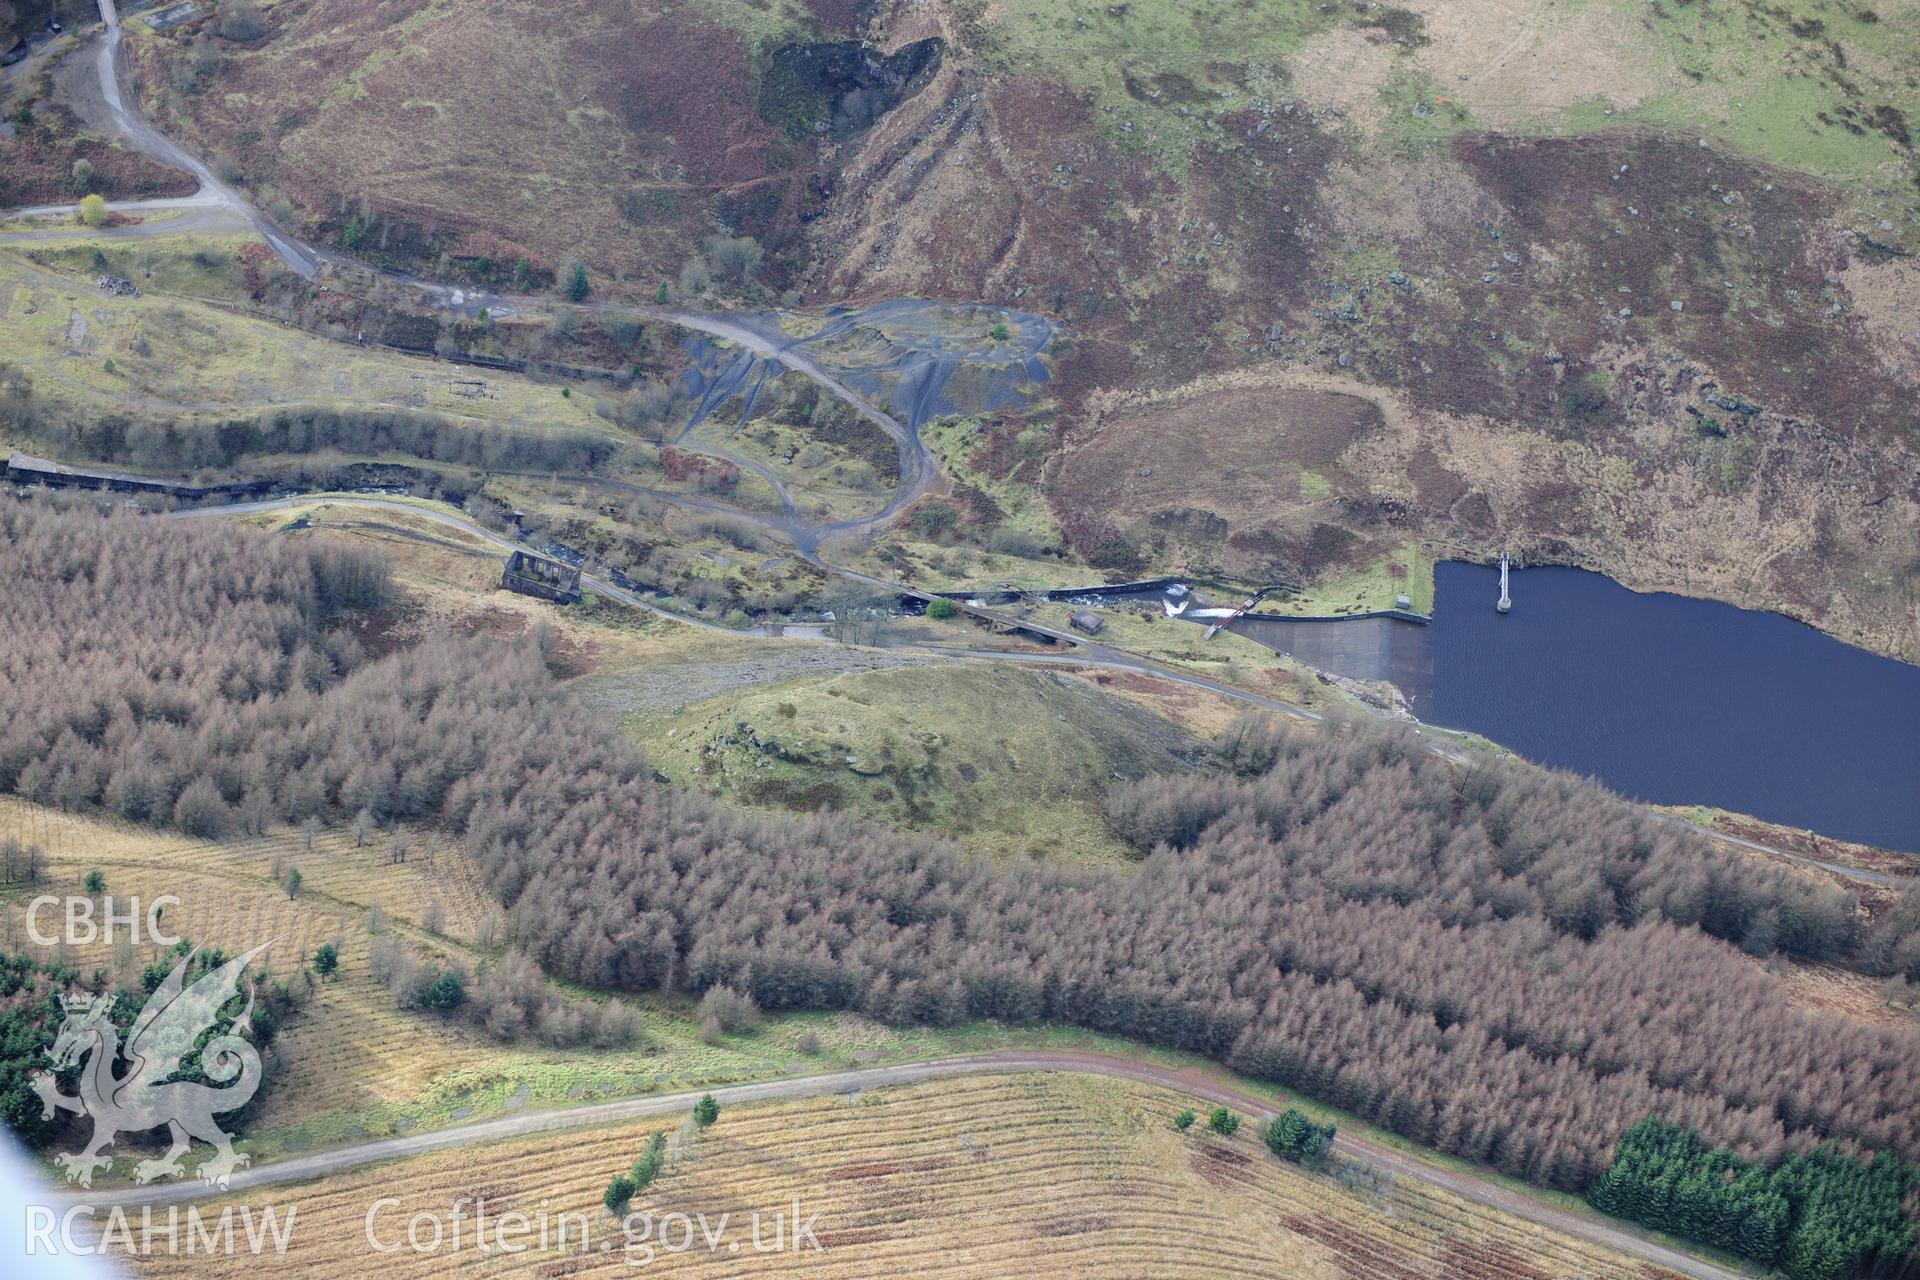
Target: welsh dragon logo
{"x": 149, "y": 1095}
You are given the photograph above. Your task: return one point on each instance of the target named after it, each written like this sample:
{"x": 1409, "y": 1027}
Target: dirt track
{"x": 917, "y": 474}
{"x": 917, "y": 469}
{"x": 1083, "y": 653}
{"x": 1467, "y": 1186}
{"x": 145, "y": 138}
{"x": 218, "y": 206}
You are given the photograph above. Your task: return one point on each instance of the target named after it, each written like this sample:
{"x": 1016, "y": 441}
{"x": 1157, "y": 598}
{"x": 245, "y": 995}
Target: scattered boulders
{"x": 1380, "y": 695}
{"x": 1733, "y": 404}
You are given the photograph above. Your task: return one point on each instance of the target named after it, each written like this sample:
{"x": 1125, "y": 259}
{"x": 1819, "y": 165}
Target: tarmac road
{"x": 145, "y": 138}
{"x": 917, "y": 469}
{"x": 597, "y": 585}
{"x": 218, "y": 206}
{"x": 217, "y": 200}
{"x": 1085, "y": 653}
{"x": 1468, "y": 1186}
{"x": 202, "y": 211}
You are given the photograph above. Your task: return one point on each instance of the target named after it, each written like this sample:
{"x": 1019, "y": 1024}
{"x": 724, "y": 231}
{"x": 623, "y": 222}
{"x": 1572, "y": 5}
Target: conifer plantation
{"x": 1817, "y": 1217}
{"x": 157, "y": 667}
{"x": 1503, "y": 964}
{"x": 1354, "y": 921}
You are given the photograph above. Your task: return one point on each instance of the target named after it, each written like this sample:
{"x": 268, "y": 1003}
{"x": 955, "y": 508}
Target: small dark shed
{"x": 1083, "y": 620}
{"x": 533, "y": 575}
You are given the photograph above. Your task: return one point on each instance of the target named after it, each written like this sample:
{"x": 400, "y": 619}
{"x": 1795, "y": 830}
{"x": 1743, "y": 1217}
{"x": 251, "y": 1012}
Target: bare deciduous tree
{"x": 1343, "y": 913}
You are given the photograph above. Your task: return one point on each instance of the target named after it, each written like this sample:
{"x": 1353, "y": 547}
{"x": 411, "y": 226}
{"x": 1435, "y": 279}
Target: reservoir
{"x": 1679, "y": 701}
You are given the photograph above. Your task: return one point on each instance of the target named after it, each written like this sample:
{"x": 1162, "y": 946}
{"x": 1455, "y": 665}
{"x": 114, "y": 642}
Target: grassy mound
{"x": 1009, "y": 761}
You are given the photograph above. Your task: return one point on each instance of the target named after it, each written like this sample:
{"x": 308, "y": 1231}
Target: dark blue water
{"x": 1679, "y": 701}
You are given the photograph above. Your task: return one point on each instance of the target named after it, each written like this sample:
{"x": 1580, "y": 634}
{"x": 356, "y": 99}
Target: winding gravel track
{"x": 218, "y": 204}
{"x": 917, "y": 469}
{"x": 918, "y": 472}
{"x": 145, "y": 138}
{"x": 598, "y": 585}
{"x": 1195, "y": 1083}
{"x": 201, "y": 212}
{"x": 1085, "y": 653}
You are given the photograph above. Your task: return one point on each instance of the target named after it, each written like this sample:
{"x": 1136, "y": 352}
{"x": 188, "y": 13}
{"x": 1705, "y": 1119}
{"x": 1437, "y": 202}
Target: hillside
{"x": 1001, "y": 759}
{"x": 922, "y": 611}
{"x": 525, "y": 912}
{"x": 1620, "y": 287}
{"x": 368, "y": 120}
{"x": 1052, "y": 1174}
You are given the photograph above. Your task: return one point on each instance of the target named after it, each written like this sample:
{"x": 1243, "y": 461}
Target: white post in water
{"x": 1506, "y": 599}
